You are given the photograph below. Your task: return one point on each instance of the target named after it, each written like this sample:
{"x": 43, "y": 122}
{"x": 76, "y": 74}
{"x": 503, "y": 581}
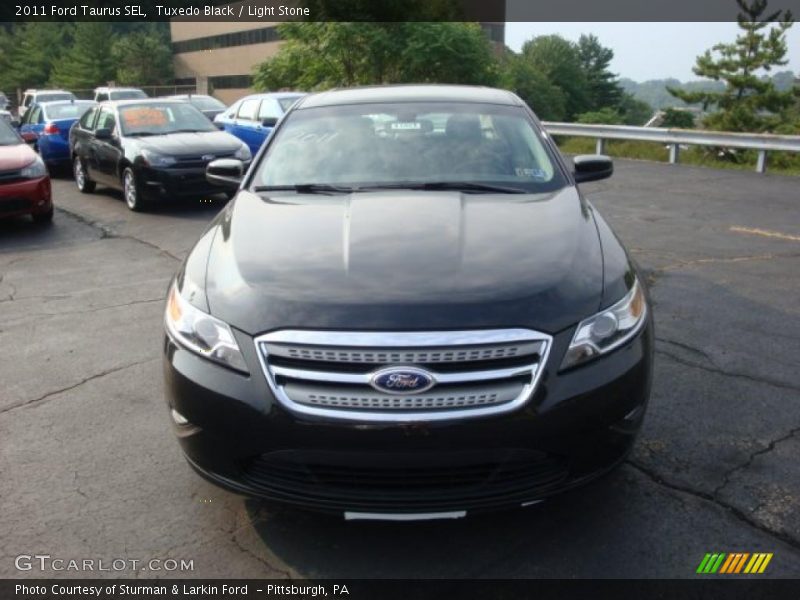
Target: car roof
{"x": 275, "y": 95}
{"x": 116, "y": 89}
{"x": 48, "y": 92}
{"x": 410, "y": 93}
{"x": 73, "y": 101}
{"x": 140, "y": 101}
{"x": 180, "y": 96}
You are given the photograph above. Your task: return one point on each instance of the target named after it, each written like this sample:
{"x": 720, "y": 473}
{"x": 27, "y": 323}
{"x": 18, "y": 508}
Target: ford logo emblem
{"x": 402, "y": 380}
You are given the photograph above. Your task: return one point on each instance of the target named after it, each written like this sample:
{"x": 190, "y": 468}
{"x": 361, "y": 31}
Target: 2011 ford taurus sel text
{"x": 408, "y": 311}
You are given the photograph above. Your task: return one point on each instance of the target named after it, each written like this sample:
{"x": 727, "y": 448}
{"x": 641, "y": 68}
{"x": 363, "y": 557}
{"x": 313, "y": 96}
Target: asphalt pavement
{"x": 89, "y": 467}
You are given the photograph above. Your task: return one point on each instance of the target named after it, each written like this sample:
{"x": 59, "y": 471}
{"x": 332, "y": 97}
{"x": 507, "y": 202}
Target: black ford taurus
{"x": 408, "y": 311}
{"x": 152, "y": 150}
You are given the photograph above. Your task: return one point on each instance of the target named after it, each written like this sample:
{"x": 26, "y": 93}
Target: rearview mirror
{"x": 102, "y": 134}
{"x": 269, "y": 122}
{"x": 592, "y": 167}
{"x": 225, "y": 172}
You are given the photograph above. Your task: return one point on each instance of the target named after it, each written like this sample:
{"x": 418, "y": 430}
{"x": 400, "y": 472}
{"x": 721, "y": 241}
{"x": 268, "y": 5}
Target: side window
{"x": 37, "y": 116}
{"x": 269, "y": 109}
{"x": 106, "y": 120}
{"x": 101, "y": 97}
{"x": 249, "y": 109}
{"x": 87, "y": 120}
{"x": 26, "y": 100}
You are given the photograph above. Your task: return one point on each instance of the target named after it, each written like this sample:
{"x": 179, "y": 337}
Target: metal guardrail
{"x": 762, "y": 142}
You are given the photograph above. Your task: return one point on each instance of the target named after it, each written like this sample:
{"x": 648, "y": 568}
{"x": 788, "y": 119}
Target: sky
{"x": 645, "y": 51}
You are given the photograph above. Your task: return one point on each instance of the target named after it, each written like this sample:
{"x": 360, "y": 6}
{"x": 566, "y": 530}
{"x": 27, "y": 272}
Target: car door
{"x": 107, "y": 152}
{"x": 32, "y": 124}
{"x": 269, "y": 112}
{"x": 246, "y": 124}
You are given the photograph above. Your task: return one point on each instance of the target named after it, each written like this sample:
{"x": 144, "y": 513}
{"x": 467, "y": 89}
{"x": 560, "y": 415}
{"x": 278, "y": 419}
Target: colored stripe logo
{"x": 733, "y": 563}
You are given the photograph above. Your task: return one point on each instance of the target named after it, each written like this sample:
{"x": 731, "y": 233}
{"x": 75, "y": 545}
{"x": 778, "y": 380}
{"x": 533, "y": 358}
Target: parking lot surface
{"x": 89, "y": 467}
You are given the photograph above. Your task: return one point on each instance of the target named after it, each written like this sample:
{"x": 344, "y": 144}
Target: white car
{"x": 38, "y": 96}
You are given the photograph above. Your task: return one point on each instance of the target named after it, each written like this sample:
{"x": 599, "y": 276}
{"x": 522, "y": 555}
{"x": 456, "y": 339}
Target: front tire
{"x": 43, "y": 218}
{"x": 132, "y": 192}
{"x": 85, "y": 185}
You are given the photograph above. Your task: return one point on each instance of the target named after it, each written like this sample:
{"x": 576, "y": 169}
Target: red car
{"x": 24, "y": 182}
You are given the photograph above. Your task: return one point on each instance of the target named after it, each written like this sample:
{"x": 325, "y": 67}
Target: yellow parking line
{"x": 766, "y": 233}
{"x": 765, "y": 563}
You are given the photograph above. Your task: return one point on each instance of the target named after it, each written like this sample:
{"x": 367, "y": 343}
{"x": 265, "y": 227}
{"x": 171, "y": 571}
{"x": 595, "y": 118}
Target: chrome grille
{"x": 476, "y": 373}
{"x": 385, "y": 356}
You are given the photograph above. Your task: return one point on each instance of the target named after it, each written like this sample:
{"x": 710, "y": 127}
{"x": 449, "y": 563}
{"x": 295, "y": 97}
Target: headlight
{"x": 200, "y": 332}
{"x": 243, "y": 153}
{"x": 609, "y": 329}
{"x": 154, "y": 159}
{"x": 34, "y": 170}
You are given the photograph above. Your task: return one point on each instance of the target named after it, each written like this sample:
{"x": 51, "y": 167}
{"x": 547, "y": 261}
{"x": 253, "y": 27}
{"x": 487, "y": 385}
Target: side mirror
{"x": 225, "y": 172}
{"x": 269, "y": 122}
{"x": 592, "y": 167}
{"x": 102, "y": 134}
{"x": 28, "y": 137}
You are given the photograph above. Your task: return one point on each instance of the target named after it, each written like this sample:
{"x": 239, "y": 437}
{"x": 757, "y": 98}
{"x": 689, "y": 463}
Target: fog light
{"x": 178, "y": 417}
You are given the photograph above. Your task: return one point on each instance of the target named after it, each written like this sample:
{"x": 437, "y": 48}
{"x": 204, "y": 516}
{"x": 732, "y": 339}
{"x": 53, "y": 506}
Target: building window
{"x": 227, "y": 40}
{"x": 230, "y": 82}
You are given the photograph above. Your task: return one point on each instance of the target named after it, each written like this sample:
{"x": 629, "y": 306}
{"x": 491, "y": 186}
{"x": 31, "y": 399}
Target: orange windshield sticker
{"x": 135, "y": 118}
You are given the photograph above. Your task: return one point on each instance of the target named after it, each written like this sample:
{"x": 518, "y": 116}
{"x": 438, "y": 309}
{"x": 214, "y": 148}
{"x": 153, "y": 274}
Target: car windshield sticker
{"x": 136, "y": 118}
{"x": 537, "y": 174}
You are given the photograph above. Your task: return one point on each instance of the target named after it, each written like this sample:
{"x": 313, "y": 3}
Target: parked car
{"x": 38, "y": 96}
{"x": 150, "y": 149}
{"x": 102, "y": 94}
{"x": 394, "y": 320}
{"x": 46, "y": 126}
{"x": 208, "y": 105}
{"x": 24, "y": 182}
{"x": 252, "y": 118}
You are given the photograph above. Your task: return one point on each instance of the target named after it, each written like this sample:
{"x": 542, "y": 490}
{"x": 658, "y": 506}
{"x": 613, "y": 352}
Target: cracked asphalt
{"x": 89, "y": 467}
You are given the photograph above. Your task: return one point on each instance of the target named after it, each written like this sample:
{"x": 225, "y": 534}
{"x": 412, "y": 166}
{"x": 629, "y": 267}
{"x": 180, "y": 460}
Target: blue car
{"x": 252, "y": 118}
{"x": 46, "y": 126}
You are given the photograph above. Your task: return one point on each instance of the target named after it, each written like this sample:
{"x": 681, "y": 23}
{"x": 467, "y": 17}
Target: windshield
{"x": 73, "y": 110}
{"x": 369, "y": 145}
{"x": 206, "y": 103}
{"x": 8, "y": 137}
{"x": 158, "y": 119}
{"x": 55, "y": 96}
{"x": 127, "y": 94}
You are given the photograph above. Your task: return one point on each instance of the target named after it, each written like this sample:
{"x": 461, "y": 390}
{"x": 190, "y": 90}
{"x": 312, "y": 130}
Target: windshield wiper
{"x": 144, "y": 133}
{"x": 307, "y": 188}
{"x": 474, "y": 187}
{"x": 192, "y": 130}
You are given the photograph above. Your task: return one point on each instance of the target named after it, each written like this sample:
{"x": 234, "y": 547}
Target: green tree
{"x": 25, "y": 59}
{"x": 680, "y": 119}
{"x": 634, "y": 111}
{"x": 604, "y": 89}
{"x": 519, "y": 75}
{"x": 748, "y": 102}
{"x": 88, "y": 62}
{"x": 321, "y": 55}
{"x": 604, "y": 116}
{"x": 143, "y": 57}
{"x": 559, "y": 60}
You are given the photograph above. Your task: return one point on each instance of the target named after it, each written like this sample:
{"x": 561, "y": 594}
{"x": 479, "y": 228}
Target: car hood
{"x": 191, "y": 144}
{"x": 16, "y": 156}
{"x": 405, "y": 260}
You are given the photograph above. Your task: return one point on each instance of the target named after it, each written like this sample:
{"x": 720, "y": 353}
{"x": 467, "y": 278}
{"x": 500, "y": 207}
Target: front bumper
{"x": 177, "y": 182}
{"x": 578, "y": 425}
{"x": 24, "y": 197}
